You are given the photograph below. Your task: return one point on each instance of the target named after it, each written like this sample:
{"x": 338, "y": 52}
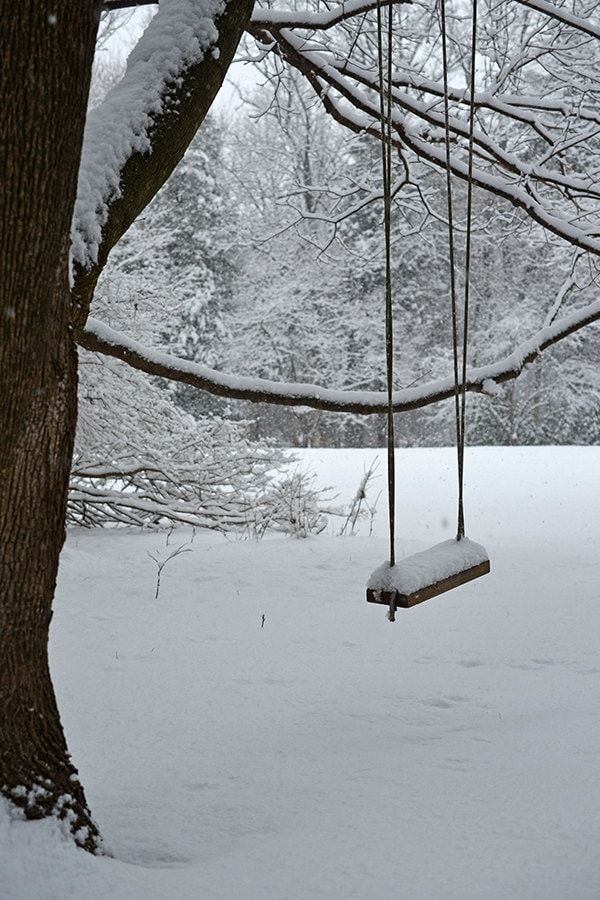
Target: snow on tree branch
{"x": 136, "y": 137}
{"x": 350, "y": 8}
{"x": 349, "y": 93}
{"x": 180, "y": 34}
{"x": 316, "y": 21}
{"x": 562, "y": 15}
{"x": 101, "y": 338}
{"x": 257, "y": 498}
{"x": 141, "y": 460}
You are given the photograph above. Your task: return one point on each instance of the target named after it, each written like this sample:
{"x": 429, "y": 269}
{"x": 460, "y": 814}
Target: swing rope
{"x": 385, "y": 70}
{"x": 460, "y": 383}
{"x": 461, "y": 520}
{"x": 385, "y": 120}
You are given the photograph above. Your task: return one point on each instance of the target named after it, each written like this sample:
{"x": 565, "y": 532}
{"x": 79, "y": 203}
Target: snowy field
{"x": 331, "y": 754}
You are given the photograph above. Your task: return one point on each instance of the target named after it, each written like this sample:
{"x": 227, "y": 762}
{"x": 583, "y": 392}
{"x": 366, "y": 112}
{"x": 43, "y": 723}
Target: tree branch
{"x": 360, "y": 114}
{"x": 283, "y": 18}
{"x": 562, "y": 15}
{"x": 112, "y": 5}
{"x": 185, "y": 96}
{"x": 136, "y": 137}
{"x": 102, "y": 339}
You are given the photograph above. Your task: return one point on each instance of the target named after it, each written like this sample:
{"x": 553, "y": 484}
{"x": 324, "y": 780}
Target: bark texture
{"x": 46, "y": 57}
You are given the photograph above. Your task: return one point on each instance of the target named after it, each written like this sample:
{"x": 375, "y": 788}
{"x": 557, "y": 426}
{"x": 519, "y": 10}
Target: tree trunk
{"x": 35, "y": 769}
{"x": 45, "y": 59}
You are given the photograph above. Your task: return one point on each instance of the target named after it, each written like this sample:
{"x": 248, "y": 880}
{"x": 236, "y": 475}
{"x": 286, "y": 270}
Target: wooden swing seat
{"x": 425, "y": 575}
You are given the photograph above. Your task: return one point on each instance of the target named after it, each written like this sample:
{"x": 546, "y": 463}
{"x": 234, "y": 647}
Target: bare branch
{"x": 359, "y": 112}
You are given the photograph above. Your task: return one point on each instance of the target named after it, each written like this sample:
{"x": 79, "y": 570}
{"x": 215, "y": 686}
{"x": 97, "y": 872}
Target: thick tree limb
{"x": 102, "y": 339}
{"x": 186, "y": 97}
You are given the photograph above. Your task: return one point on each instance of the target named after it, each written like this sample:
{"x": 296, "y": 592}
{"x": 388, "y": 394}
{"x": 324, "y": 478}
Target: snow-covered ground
{"x": 330, "y": 754}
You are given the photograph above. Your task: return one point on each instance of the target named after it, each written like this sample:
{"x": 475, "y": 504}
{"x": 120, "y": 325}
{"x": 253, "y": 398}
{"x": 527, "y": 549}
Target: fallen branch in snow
{"x": 99, "y": 337}
{"x": 238, "y": 498}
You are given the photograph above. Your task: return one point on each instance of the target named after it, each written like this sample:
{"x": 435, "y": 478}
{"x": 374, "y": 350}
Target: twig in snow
{"x": 161, "y": 563}
{"x": 360, "y": 499}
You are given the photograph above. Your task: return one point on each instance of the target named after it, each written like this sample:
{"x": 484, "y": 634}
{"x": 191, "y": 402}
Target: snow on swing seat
{"x": 428, "y": 573}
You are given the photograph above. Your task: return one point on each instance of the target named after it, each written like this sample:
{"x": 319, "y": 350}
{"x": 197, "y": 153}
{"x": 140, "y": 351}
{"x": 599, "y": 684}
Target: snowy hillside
{"x": 330, "y": 754}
